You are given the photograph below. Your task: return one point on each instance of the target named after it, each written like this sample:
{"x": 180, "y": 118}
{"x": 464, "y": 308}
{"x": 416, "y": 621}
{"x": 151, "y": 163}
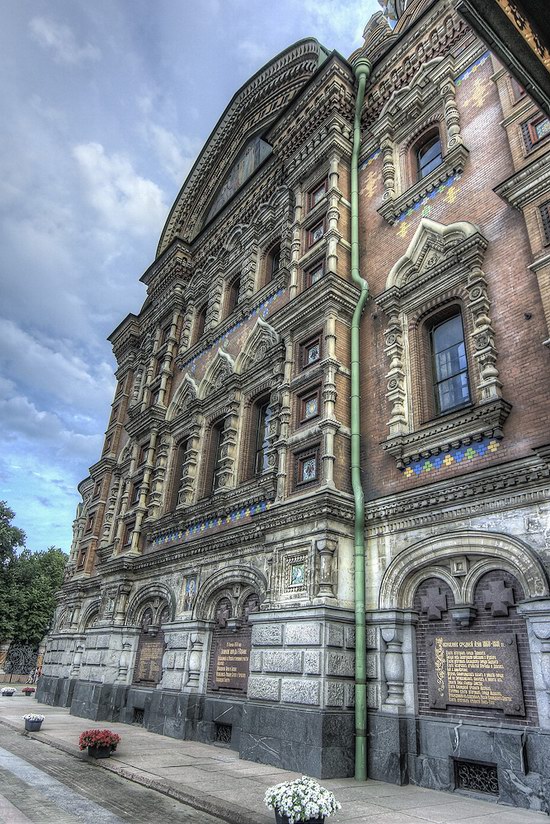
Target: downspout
{"x": 362, "y": 68}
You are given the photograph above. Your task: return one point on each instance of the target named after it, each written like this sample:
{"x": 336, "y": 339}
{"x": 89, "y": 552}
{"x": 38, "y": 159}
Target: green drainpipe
{"x": 362, "y": 69}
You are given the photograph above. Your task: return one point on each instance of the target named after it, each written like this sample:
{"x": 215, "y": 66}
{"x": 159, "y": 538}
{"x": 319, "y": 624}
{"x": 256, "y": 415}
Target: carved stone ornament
{"x": 440, "y": 263}
{"x": 434, "y": 603}
{"x": 429, "y": 101}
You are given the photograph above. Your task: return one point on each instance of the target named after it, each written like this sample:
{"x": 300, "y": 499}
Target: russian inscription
{"x": 230, "y": 669}
{"x": 475, "y": 671}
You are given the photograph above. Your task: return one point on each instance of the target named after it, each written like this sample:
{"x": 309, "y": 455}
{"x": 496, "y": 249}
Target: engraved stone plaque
{"x": 477, "y": 670}
{"x": 230, "y": 670}
{"x": 149, "y": 660}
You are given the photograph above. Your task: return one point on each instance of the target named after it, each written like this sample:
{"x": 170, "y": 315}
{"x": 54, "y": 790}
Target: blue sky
{"x": 105, "y": 105}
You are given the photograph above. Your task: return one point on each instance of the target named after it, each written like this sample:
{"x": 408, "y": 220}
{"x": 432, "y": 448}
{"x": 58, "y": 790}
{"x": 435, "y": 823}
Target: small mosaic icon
{"x": 311, "y": 407}
{"x": 297, "y": 574}
{"x": 309, "y": 469}
{"x": 313, "y": 353}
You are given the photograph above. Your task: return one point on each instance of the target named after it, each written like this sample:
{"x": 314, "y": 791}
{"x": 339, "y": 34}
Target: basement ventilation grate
{"x": 478, "y": 778}
{"x": 138, "y": 717}
{"x": 223, "y": 733}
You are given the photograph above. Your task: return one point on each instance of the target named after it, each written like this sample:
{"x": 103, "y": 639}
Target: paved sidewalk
{"x": 215, "y": 780}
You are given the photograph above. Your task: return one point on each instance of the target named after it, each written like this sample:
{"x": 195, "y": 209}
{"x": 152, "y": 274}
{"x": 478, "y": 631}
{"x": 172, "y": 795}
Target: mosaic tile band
{"x": 472, "y": 69}
{"x": 454, "y": 456}
{"x": 200, "y": 527}
{"x": 261, "y": 310}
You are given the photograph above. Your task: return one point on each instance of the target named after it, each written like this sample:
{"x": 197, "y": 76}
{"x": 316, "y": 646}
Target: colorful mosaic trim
{"x": 425, "y": 205}
{"x": 200, "y": 527}
{"x": 454, "y": 456}
{"x": 472, "y": 69}
{"x": 370, "y": 159}
{"x": 261, "y": 310}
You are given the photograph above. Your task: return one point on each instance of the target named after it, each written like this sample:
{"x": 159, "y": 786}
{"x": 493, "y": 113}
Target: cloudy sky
{"x": 105, "y": 105}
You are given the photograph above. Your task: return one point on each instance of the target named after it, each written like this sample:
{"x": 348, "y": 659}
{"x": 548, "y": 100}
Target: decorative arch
{"x": 222, "y": 582}
{"x": 184, "y": 395}
{"x": 432, "y": 244}
{"x": 219, "y": 370}
{"x": 90, "y": 614}
{"x": 249, "y": 113}
{"x": 156, "y": 595}
{"x": 493, "y": 550}
{"x": 260, "y": 340}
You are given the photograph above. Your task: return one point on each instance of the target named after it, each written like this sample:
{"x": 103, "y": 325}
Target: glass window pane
{"x": 429, "y": 156}
{"x": 448, "y": 333}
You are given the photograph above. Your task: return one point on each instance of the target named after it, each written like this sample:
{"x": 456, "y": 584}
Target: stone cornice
{"x": 526, "y": 185}
{"x": 501, "y": 487}
{"x": 453, "y": 163}
{"x": 331, "y": 293}
{"x": 460, "y": 428}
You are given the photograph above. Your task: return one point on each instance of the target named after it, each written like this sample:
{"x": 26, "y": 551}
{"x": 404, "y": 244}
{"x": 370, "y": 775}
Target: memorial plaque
{"x": 149, "y": 660}
{"x": 231, "y": 660}
{"x": 478, "y": 670}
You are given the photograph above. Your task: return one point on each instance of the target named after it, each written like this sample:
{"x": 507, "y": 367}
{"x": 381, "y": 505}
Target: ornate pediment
{"x": 262, "y": 338}
{"x": 433, "y": 246}
{"x": 235, "y": 149}
{"x": 185, "y": 394}
{"x": 218, "y": 373}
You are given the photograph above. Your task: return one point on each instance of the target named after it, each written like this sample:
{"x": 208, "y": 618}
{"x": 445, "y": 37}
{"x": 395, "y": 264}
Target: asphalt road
{"x": 42, "y": 784}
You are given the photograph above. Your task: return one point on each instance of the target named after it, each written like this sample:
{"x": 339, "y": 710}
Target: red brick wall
{"x": 522, "y": 362}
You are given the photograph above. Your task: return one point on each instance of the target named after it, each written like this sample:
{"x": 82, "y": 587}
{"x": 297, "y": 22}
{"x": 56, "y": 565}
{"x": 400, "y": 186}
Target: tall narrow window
{"x": 216, "y": 456}
{"x": 179, "y": 477}
{"x": 233, "y": 293}
{"x": 428, "y": 155}
{"x": 450, "y": 365}
{"x": 261, "y": 437}
{"x": 273, "y": 262}
{"x": 200, "y": 324}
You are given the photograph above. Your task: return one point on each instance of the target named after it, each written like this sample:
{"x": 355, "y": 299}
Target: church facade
{"x": 211, "y": 592}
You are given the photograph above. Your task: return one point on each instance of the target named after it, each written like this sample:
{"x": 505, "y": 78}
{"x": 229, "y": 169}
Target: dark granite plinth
{"x": 424, "y": 751}
{"x": 400, "y": 749}
{"x": 310, "y": 741}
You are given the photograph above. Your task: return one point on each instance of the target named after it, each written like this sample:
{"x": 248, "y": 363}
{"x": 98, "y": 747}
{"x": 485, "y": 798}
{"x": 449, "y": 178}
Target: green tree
{"x": 11, "y": 538}
{"x": 28, "y": 583}
{"x": 36, "y": 578}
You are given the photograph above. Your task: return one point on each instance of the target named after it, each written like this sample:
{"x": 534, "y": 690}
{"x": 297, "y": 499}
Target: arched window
{"x": 200, "y": 323}
{"x": 450, "y": 364}
{"x": 428, "y": 154}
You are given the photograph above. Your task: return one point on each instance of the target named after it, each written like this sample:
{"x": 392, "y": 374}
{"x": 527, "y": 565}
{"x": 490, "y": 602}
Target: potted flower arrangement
{"x": 100, "y": 743}
{"x": 33, "y": 721}
{"x": 8, "y": 691}
{"x": 28, "y": 690}
{"x": 302, "y": 800}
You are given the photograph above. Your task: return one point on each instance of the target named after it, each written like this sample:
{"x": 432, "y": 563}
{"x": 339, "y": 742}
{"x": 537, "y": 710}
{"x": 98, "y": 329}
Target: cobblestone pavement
{"x": 209, "y": 778}
{"x": 40, "y": 784}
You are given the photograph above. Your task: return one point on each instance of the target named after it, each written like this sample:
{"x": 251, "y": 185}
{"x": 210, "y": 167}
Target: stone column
{"x": 397, "y": 658}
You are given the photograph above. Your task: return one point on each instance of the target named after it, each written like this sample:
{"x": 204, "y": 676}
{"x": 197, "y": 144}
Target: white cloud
{"x": 61, "y": 40}
{"x": 176, "y": 153}
{"x": 254, "y": 52}
{"x": 124, "y": 200}
{"x": 336, "y": 20}
{"x": 50, "y": 368}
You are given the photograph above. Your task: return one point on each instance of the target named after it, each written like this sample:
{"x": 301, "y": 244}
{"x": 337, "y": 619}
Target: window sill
{"x": 449, "y": 431}
{"x": 453, "y": 163}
